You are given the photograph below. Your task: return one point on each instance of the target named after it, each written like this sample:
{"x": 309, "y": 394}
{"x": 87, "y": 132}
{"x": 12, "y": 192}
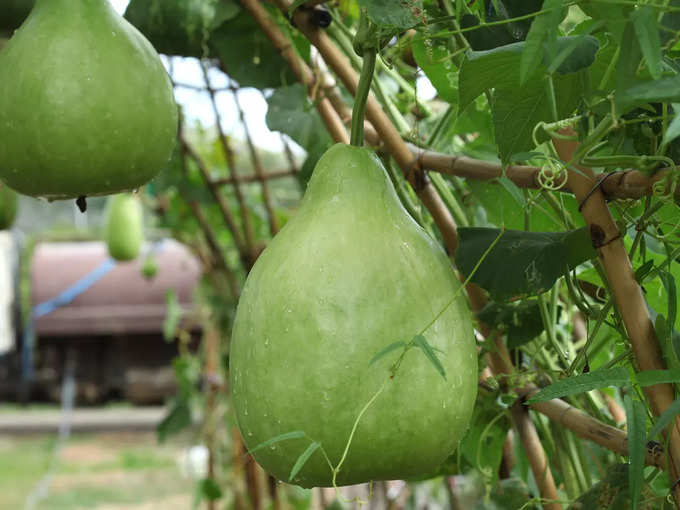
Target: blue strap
{"x": 63, "y": 299}
{"x": 82, "y": 285}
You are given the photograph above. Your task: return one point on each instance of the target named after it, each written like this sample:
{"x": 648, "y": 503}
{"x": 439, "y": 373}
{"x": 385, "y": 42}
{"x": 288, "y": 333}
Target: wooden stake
{"x": 607, "y": 239}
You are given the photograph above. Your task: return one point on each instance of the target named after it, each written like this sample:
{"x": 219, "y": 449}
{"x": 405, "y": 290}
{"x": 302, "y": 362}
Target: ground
{"x": 106, "y": 471}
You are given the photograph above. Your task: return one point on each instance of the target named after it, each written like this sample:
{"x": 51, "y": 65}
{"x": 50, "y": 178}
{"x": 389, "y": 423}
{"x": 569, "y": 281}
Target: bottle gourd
{"x": 349, "y": 275}
{"x": 124, "y": 229}
{"x": 86, "y": 106}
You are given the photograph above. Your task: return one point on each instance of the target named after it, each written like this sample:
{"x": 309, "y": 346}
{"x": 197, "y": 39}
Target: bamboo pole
{"x": 587, "y": 427}
{"x": 248, "y": 232}
{"x": 257, "y": 166}
{"x": 227, "y": 216}
{"x": 607, "y": 239}
{"x": 536, "y": 455}
{"x": 211, "y": 343}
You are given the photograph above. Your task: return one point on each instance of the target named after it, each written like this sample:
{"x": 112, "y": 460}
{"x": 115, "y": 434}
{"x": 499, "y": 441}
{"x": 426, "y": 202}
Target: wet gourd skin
{"x": 86, "y": 106}
{"x": 124, "y": 229}
{"x": 350, "y": 274}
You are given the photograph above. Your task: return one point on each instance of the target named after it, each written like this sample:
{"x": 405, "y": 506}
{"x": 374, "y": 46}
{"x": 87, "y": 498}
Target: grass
{"x": 107, "y": 471}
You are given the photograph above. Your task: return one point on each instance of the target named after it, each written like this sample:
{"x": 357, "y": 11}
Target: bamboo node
{"x": 416, "y": 176}
{"x": 599, "y": 238}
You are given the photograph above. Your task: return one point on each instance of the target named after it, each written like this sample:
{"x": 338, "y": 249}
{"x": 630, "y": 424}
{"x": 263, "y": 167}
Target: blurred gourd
{"x": 349, "y": 275}
{"x": 8, "y": 207}
{"x": 124, "y": 230}
{"x": 149, "y": 268}
{"x": 86, "y": 106}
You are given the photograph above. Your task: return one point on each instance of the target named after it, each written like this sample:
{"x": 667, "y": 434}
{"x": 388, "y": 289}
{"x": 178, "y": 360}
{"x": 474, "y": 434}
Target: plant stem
{"x": 357, "y": 136}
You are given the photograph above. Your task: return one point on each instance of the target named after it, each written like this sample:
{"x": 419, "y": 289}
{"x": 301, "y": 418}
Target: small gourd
{"x": 124, "y": 230}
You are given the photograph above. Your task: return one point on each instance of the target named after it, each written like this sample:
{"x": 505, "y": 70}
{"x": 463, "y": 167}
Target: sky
{"x": 198, "y": 108}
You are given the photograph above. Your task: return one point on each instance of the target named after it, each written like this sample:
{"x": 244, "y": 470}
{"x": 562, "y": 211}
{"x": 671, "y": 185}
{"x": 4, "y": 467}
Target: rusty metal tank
{"x": 107, "y": 297}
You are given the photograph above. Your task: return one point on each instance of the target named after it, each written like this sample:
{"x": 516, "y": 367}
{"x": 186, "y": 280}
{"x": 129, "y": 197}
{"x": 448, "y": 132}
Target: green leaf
{"x": 673, "y": 130}
{"x": 485, "y": 38}
{"x": 173, "y": 315}
{"x": 521, "y": 263}
{"x": 401, "y": 14}
{"x": 636, "y": 424}
{"x": 543, "y": 32}
{"x": 482, "y": 446}
{"x": 292, "y": 113}
{"x": 208, "y": 490}
{"x": 421, "y": 342}
{"x": 669, "y": 342}
{"x": 296, "y": 434}
{"x": 500, "y": 206}
{"x": 647, "y": 30}
{"x": 383, "y": 352}
{"x": 671, "y": 291}
{"x": 652, "y": 377}
{"x": 436, "y": 60}
{"x": 303, "y": 458}
{"x": 180, "y": 27}
{"x": 665, "y": 89}
{"x": 665, "y": 419}
{"x": 177, "y": 419}
{"x": 522, "y": 322}
{"x": 670, "y": 22}
{"x": 601, "y": 378}
{"x": 575, "y": 55}
{"x": 248, "y": 56}
{"x": 517, "y": 109}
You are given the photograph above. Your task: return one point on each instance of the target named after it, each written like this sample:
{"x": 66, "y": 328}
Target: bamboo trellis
{"x": 415, "y": 162}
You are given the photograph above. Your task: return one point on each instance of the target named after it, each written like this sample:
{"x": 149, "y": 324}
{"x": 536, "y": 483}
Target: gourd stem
{"x": 364, "y": 87}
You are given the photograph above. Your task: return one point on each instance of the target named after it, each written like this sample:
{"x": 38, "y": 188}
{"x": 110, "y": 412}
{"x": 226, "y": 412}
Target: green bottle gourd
{"x": 349, "y": 275}
{"x": 86, "y": 106}
{"x": 124, "y": 230}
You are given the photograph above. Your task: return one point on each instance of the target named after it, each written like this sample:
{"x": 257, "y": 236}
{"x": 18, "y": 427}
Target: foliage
{"x": 509, "y": 77}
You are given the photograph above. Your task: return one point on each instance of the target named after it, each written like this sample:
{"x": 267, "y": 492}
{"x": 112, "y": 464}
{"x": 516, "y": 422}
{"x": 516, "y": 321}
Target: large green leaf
{"x": 499, "y": 68}
{"x": 521, "y": 322}
{"x": 247, "y": 55}
{"x": 517, "y": 110}
{"x": 502, "y": 209}
{"x": 396, "y": 13}
{"x": 521, "y": 263}
{"x": 482, "y": 446}
{"x": 665, "y": 89}
{"x": 436, "y": 60}
{"x": 647, "y": 30}
{"x": 597, "y": 379}
{"x": 636, "y": 423}
{"x": 291, "y": 112}
{"x": 180, "y": 27}
{"x": 542, "y": 39}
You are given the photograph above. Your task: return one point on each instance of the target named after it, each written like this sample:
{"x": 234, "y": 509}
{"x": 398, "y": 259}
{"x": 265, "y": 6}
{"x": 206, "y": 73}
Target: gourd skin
{"x": 350, "y": 274}
{"x": 86, "y": 107}
{"x": 124, "y": 227}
